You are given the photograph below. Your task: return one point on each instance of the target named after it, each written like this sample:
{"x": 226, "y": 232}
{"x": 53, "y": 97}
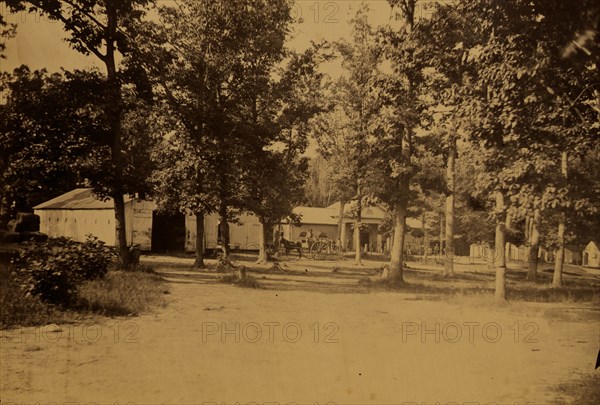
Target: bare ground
{"x": 314, "y": 335}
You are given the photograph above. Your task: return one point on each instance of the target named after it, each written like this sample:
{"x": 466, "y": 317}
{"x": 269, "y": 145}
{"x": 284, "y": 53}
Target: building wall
{"x": 244, "y": 235}
{"x": 591, "y": 255}
{"x": 138, "y": 217}
{"x": 572, "y": 257}
{"x": 77, "y": 224}
{"x": 373, "y": 237}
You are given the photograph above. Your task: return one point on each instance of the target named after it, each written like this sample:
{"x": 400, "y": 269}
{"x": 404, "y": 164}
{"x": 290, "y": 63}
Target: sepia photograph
{"x": 299, "y": 202}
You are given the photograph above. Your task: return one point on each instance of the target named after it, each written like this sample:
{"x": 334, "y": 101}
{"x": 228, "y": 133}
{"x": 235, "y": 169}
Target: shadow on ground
{"x": 422, "y": 279}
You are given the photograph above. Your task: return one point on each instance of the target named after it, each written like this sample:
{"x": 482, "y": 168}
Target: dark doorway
{"x": 168, "y": 232}
{"x": 365, "y": 239}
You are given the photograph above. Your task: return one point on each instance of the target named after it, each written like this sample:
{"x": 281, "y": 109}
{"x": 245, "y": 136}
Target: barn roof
{"x": 592, "y": 243}
{"x": 78, "y": 199}
{"x": 377, "y": 213}
{"x": 329, "y": 215}
{"x": 316, "y": 215}
{"x": 367, "y": 212}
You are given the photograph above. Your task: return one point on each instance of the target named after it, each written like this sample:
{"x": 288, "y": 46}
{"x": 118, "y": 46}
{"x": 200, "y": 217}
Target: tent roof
{"x": 78, "y": 199}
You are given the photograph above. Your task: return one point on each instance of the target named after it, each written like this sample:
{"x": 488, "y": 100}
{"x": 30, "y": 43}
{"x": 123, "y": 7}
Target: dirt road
{"x": 217, "y": 343}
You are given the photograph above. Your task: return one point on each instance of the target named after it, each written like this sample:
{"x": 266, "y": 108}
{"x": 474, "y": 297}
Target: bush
{"x": 18, "y": 310}
{"x": 53, "y": 270}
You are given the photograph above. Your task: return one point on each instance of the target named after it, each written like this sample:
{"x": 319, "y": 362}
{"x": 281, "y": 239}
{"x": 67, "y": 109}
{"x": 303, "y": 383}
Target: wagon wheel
{"x": 319, "y": 250}
{"x": 311, "y": 251}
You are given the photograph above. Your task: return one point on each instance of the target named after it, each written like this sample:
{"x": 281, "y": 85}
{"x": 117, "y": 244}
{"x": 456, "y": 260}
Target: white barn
{"x": 243, "y": 235}
{"x": 78, "y": 213}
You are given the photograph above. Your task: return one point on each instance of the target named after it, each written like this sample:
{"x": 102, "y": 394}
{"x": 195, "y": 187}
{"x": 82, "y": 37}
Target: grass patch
{"x": 582, "y": 391}
{"x": 123, "y": 293}
{"x": 117, "y": 294}
{"x": 17, "y": 309}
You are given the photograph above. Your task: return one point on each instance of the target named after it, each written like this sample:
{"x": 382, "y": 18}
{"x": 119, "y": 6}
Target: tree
{"x": 7, "y": 31}
{"x": 274, "y": 190}
{"x": 444, "y": 39}
{"x": 320, "y": 189}
{"x": 47, "y": 146}
{"x": 343, "y": 132}
{"x": 100, "y": 28}
{"x": 54, "y": 136}
{"x": 274, "y": 174}
{"x": 211, "y": 63}
{"x": 184, "y": 182}
{"x": 334, "y": 136}
{"x": 400, "y": 115}
{"x": 524, "y": 118}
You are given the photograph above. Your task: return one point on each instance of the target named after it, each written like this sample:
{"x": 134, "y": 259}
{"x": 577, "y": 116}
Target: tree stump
{"x": 242, "y": 272}
{"x": 385, "y": 273}
{"x": 276, "y": 268}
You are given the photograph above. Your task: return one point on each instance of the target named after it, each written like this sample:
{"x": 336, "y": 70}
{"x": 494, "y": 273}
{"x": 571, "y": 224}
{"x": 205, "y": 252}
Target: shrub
{"x": 18, "y": 310}
{"x": 53, "y": 270}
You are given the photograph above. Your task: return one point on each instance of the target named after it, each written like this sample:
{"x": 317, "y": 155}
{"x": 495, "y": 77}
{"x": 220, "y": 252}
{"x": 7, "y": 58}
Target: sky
{"x": 39, "y": 42}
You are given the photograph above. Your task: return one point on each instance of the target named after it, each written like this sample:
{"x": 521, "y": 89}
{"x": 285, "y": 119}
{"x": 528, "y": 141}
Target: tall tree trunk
{"x": 199, "y": 262}
{"x": 499, "y": 254}
{"x": 397, "y": 256}
{"x": 340, "y": 220}
{"x": 401, "y": 210}
{"x": 507, "y": 228}
{"x": 528, "y": 221}
{"x": 357, "y": 225}
{"x": 527, "y": 237}
{"x": 425, "y": 238}
{"x": 534, "y": 245}
{"x": 441, "y": 234}
{"x": 115, "y": 106}
{"x": 560, "y": 254}
{"x": 262, "y": 243}
{"x": 120, "y": 230}
{"x": 451, "y": 179}
{"x": 224, "y": 228}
